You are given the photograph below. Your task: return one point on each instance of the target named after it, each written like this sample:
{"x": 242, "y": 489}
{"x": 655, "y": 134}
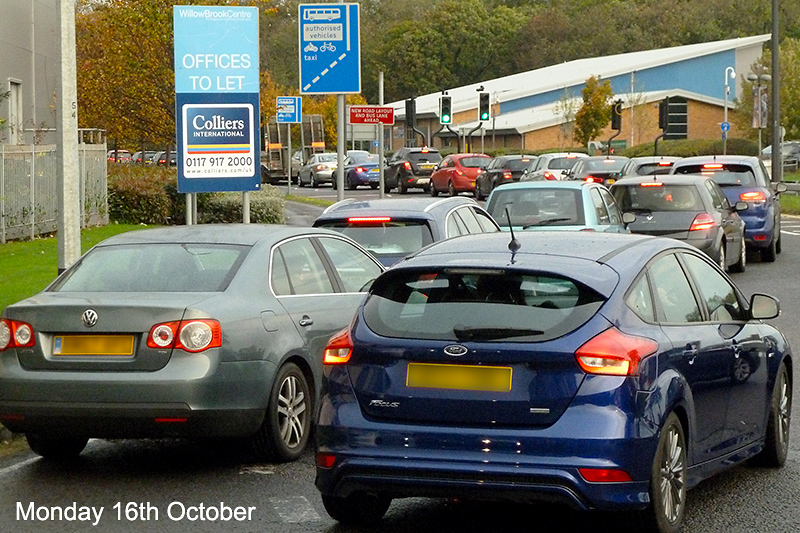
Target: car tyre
{"x": 373, "y": 186}
{"x": 358, "y": 509}
{"x": 432, "y": 189}
{"x": 770, "y": 253}
{"x": 451, "y": 190}
{"x": 300, "y": 182}
{"x": 57, "y": 449}
{"x": 741, "y": 264}
{"x": 778, "y": 244}
{"x": 722, "y": 257}
{"x": 314, "y": 182}
{"x": 401, "y": 184}
{"x": 479, "y": 191}
{"x": 352, "y": 185}
{"x": 667, "y": 481}
{"x": 776, "y": 443}
{"x": 284, "y": 433}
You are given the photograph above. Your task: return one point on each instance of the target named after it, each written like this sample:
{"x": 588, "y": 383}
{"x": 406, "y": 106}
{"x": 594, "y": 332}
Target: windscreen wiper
{"x": 466, "y": 333}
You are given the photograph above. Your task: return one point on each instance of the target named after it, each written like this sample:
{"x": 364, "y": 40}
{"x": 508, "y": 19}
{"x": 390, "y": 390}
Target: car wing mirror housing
{"x": 781, "y": 187}
{"x": 741, "y": 206}
{"x": 764, "y": 306}
{"x": 628, "y": 218}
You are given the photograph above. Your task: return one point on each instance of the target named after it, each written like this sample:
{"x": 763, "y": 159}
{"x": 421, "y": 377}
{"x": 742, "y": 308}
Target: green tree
{"x": 595, "y": 113}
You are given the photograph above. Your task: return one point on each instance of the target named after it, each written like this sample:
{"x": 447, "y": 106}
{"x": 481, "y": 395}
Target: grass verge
{"x": 27, "y": 267}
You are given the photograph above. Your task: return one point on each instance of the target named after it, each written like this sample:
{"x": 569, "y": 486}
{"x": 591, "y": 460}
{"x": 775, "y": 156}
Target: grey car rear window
{"x": 154, "y": 268}
{"x": 478, "y": 305}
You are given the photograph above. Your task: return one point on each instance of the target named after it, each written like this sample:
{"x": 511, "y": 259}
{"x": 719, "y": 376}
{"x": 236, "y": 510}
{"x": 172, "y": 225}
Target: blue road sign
{"x": 330, "y": 50}
{"x": 725, "y": 126}
{"x": 289, "y": 109}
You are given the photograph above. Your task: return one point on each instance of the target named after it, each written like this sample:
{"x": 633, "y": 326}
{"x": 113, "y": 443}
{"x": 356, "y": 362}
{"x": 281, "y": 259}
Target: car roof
{"x": 553, "y": 155}
{"x": 548, "y": 184}
{"x": 547, "y": 251}
{"x": 238, "y": 234}
{"x": 654, "y": 158}
{"x": 666, "y": 179}
{"x": 393, "y": 206}
{"x": 737, "y": 159}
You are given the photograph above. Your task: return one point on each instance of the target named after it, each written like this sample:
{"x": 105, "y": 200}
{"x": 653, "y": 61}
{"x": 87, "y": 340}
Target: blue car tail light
{"x": 614, "y": 353}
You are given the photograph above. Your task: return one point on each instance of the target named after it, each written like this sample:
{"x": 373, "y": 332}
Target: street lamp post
{"x": 759, "y": 109}
{"x": 730, "y": 73}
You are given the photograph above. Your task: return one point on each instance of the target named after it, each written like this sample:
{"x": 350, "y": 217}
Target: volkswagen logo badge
{"x": 89, "y": 318}
{"x": 456, "y": 350}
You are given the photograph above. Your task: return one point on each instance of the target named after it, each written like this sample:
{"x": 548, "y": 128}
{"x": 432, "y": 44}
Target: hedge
{"x": 149, "y": 195}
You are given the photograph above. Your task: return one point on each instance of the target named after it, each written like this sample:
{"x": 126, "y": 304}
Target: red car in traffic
{"x": 457, "y": 173}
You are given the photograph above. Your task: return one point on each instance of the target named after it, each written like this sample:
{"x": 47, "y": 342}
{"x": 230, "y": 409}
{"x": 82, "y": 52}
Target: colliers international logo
{"x": 218, "y": 140}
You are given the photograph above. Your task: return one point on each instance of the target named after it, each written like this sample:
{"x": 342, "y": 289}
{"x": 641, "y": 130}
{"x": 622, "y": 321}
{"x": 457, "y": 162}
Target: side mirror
{"x": 781, "y": 187}
{"x": 741, "y": 206}
{"x": 764, "y": 307}
{"x": 628, "y": 218}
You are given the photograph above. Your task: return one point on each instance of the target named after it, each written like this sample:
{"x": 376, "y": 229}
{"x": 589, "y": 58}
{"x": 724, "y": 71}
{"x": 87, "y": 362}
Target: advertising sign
{"x": 216, "y": 94}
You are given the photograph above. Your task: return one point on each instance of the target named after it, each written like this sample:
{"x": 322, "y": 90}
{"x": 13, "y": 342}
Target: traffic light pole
{"x": 469, "y": 136}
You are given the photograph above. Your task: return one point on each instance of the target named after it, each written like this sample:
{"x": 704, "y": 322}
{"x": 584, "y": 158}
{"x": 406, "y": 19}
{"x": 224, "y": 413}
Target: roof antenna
{"x": 514, "y": 245}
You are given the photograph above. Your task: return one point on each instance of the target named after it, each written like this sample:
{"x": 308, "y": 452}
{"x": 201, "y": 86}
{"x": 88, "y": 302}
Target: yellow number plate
{"x": 460, "y": 377}
{"x": 93, "y": 345}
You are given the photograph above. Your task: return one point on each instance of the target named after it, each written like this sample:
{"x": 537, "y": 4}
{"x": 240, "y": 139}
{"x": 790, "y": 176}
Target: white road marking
{"x": 256, "y": 469}
{"x": 295, "y": 509}
{"x": 17, "y": 466}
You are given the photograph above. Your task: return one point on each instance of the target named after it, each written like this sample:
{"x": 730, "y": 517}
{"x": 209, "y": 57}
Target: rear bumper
{"x": 188, "y": 397}
{"x": 521, "y": 464}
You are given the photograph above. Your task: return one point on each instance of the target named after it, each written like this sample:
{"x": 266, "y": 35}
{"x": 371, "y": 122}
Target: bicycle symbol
{"x": 327, "y": 46}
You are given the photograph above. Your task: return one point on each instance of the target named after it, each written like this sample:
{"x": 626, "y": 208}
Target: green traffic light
{"x": 485, "y": 116}
{"x": 446, "y": 119}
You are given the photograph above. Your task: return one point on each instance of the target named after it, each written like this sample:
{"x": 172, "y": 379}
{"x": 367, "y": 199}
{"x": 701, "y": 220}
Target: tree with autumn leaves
{"x": 595, "y": 113}
{"x": 126, "y": 79}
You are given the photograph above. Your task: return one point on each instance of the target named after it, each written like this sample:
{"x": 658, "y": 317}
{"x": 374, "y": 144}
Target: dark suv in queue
{"x": 411, "y": 168}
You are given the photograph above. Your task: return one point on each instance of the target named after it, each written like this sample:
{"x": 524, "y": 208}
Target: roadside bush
{"x": 149, "y": 195}
{"x": 266, "y": 207}
{"x": 692, "y": 147}
{"x": 137, "y": 194}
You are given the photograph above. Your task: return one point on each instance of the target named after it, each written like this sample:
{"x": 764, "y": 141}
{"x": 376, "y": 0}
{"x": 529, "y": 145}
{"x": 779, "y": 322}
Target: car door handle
{"x": 306, "y": 321}
{"x": 690, "y": 350}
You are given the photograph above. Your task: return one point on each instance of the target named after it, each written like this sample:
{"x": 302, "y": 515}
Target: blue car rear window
{"x": 478, "y": 305}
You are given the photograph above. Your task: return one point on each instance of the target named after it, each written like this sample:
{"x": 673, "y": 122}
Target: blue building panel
{"x": 703, "y": 75}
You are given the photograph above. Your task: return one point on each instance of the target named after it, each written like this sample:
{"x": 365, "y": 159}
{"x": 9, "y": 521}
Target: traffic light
{"x": 663, "y": 114}
{"x": 445, "y": 110}
{"x": 484, "y": 107}
{"x": 411, "y": 112}
{"x": 616, "y": 115}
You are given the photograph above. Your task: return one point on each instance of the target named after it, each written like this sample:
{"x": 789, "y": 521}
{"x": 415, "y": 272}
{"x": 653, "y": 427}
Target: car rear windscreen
{"x": 424, "y": 157}
{"x": 655, "y": 196}
{"x": 562, "y": 163}
{"x": 725, "y": 175}
{"x": 154, "y": 268}
{"x": 392, "y": 238}
{"x": 463, "y": 305}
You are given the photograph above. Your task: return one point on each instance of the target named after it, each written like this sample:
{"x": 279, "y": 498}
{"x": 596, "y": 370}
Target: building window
{"x": 16, "y": 135}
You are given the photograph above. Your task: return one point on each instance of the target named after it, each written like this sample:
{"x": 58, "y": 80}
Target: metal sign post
{"x": 289, "y": 111}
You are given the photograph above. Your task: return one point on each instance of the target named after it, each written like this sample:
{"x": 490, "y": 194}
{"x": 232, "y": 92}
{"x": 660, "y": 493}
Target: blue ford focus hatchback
{"x": 602, "y": 371}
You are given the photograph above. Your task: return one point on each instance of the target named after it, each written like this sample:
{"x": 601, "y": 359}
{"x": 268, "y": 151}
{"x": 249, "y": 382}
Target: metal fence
{"x": 29, "y": 189}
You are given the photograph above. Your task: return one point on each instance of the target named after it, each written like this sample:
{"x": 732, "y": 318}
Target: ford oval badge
{"x": 456, "y": 350}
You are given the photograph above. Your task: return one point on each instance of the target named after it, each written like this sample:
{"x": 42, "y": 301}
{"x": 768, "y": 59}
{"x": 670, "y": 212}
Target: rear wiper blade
{"x": 464, "y": 333}
{"x": 547, "y": 221}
